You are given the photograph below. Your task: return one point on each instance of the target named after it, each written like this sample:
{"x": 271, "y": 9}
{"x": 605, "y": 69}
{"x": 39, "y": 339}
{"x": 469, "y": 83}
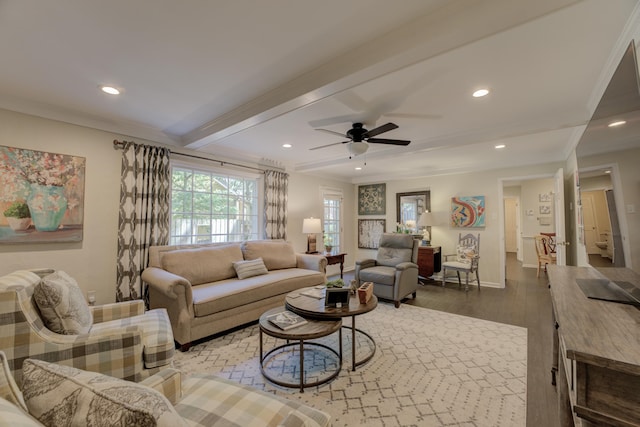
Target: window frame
{"x": 207, "y": 168}
{"x": 335, "y": 194}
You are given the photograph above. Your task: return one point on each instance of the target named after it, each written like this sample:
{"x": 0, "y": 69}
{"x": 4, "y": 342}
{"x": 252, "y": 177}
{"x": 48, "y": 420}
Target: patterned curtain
{"x": 276, "y": 193}
{"x": 144, "y": 213}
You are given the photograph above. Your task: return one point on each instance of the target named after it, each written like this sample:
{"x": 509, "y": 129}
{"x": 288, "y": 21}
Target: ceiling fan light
{"x": 357, "y": 148}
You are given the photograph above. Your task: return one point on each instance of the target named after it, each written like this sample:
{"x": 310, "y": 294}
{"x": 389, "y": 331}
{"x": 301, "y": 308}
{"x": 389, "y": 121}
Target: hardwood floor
{"x": 525, "y": 302}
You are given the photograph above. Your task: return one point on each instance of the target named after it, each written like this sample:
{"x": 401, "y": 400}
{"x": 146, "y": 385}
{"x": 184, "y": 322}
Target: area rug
{"x": 430, "y": 368}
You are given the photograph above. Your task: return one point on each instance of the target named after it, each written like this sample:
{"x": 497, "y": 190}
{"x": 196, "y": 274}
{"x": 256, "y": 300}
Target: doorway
{"x": 530, "y": 207}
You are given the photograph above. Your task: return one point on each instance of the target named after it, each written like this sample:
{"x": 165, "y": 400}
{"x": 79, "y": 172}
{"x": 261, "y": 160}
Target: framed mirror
{"x": 409, "y": 207}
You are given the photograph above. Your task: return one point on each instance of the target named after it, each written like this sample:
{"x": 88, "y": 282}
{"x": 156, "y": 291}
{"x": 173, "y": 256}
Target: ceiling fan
{"x": 360, "y": 138}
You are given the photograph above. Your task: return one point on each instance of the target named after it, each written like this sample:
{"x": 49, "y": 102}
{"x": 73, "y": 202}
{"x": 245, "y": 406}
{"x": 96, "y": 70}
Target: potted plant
{"x": 328, "y": 243}
{"x": 18, "y": 216}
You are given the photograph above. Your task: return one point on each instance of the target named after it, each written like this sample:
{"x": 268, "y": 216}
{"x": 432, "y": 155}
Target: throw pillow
{"x": 62, "y": 304}
{"x": 61, "y": 395}
{"x": 465, "y": 254}
{"x": 254, "y": 267}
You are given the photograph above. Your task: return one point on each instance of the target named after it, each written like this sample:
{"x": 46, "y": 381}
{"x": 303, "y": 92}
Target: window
{"x": 332, "y": 221}
{"x": 208, "y": 206}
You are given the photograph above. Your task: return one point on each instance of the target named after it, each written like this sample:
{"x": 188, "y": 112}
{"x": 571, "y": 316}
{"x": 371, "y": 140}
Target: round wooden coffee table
{"x": 311, "y": 330}
{"x": 314, "y": 308}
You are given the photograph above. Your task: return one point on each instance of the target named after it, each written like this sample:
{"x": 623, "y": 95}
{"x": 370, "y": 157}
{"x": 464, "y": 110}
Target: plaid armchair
{"x": 124, "y": 341}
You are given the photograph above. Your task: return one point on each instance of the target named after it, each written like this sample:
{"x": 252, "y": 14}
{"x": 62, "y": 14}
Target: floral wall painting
{"x": 41, "y": 196}
{"x": 467, "y": 211}
{"x": 369, "y": 232}
{"x": 372, "y": 199}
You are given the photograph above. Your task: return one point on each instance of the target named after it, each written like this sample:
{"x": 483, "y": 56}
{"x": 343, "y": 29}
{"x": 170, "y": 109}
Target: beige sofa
{"x": 199, "y": 286}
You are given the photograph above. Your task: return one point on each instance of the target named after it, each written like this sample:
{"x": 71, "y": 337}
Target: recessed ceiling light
{"x": 499, "y": 146}
{"x": 480, "y": 93}
{"x": 286, "y": 145}
{"x": 110, "y": 90}
{"x": 617, "y": 123}
{"x": 607, "y": 171}
{"x": 358, "y": 168}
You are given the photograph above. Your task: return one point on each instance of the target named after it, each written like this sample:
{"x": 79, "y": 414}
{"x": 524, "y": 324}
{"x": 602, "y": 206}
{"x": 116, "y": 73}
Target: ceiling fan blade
{"x": 341, "y": 135}
{"x": 388, "y": 141}
{"x": 413, "y": 116}
{"x": 347, "y": 118}
{"x": 328, "y": 145}
{"x": 381, "y": 129}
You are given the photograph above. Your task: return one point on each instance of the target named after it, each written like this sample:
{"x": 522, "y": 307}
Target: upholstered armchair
{"x": 119, "y": 339}
{"x": 394, "y": 272}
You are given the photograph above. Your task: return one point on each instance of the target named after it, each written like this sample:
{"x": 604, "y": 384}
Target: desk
{"x": 429, "y": 260}
{"x": 596, "y": 350}
{"x": 336, "y": 259}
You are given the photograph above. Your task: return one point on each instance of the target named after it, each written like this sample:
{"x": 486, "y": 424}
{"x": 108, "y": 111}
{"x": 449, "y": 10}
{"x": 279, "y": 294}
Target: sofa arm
{"x": 116, "y": 311}
{"x": 361, "y": 265}
{"x": 168, "y": 382}
{"x": 311, "y": 262}
{"x": 168, "y": 284}
{"x": 405, "y": 266}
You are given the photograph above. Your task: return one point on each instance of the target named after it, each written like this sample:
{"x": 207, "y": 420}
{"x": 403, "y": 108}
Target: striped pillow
{"x": 254, "y": 267}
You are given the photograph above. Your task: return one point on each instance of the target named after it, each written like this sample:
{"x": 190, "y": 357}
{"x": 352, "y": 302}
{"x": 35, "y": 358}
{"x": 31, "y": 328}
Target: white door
{"x": 510, "y": 224}
{"x": 558, "y": 200}
{"x": 591, "y": 232}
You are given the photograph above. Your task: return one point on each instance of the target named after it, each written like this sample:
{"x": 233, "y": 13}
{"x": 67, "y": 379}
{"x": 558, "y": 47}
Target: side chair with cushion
{"x": 55, "y": 395}
{"x": 43, "y": 315}
{"x": 394, "y": 272}
{"x": 465, "y": 259}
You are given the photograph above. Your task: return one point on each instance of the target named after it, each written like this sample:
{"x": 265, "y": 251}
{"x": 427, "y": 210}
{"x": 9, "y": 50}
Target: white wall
{"x": 91, "y": 262}
{"x": 305, "y": 200}
{"x": 442, "y": 189}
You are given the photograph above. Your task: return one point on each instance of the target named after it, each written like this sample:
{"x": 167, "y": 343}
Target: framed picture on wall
{"x": 372, "y": 199}
{"x": 544, "y": 197}
{"x": 467, "y": 211}
{"x": 41, "y": 197}
{"x": 369, "y": 232}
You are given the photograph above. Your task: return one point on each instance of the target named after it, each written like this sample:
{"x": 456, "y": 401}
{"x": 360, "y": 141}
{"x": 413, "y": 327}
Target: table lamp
{"x": 425, "y": 221}
{"x": 311, "y": 226}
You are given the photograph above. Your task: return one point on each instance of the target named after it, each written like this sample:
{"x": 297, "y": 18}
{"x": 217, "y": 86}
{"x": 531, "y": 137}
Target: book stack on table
{"x": 286, "y": 320}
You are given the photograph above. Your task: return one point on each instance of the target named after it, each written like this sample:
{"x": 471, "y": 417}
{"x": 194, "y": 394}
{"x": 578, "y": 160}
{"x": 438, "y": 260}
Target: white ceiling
{"x": 237, "y": 79}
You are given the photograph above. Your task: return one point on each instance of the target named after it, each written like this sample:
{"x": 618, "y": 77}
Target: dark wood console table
{"x": 336, "y": 259}
{"x": 596, "y": 350}
{"x": 429, "y": 260}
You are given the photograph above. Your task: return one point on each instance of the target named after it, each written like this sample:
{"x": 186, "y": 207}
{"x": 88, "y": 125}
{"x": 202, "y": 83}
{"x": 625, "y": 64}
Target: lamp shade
{"x": 425, "y": 219}
{"x": 311, "y": 225}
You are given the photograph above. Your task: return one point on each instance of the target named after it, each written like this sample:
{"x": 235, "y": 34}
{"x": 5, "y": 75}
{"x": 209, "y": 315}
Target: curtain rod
{"x": 119, "y": 144}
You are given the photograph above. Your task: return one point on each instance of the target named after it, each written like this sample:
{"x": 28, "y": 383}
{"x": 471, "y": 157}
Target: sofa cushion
{"x": 157, "y": 335}
{"x": 11, "y": 415}
{"x": 62, "y": 304}
{"x": 276, "y": 254}
{"x": 250, "y": 268}
{"x": 8, "y": 388}
{"x": 203, "y": 265}
{"x": 209, "y": 400}
{"x": 394, "y": 249}
{"x": 61, "y": 395}
{"x": 229, "y": 294}
{"x": 379, "y": 274}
